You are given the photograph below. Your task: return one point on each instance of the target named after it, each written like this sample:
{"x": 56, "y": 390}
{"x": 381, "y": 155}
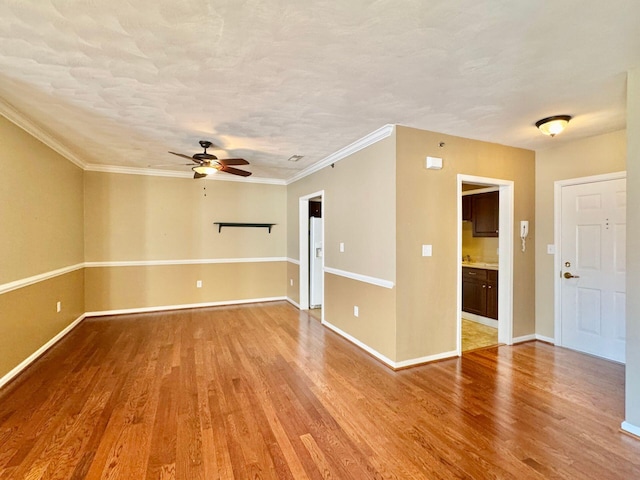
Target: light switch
{"x": 427, "y": 250}
{"x": 342, "y": 246}
{"x": 551, "y": 249}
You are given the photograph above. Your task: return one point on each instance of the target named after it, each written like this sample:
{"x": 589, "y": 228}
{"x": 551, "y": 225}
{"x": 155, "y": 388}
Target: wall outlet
{"x": 199, "y": 284}
{"x": 356, "y": 311}
{"x": 58, "y": 307}
{"x": 291, "y": 282}
{"x": 341, "y": 246}
{"x": 427, "y": 250}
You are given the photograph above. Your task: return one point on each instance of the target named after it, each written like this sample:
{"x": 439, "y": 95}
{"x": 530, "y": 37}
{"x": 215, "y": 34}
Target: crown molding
{"x": 374, "y": 137}
{"x": 38, "y": 132}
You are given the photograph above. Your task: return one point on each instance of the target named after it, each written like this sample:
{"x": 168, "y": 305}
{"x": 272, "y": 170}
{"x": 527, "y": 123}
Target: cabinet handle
{"x": 484, "y": 286}
{"x": 489, "y": 286}
{"x": 471, "y": 273}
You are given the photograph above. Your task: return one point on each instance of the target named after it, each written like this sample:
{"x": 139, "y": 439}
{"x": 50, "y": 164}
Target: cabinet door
{"x": 492, "y": 300}
{"x": 474, "y": 296}
{"x": 485, "y": 214}
{"x": 467, "y": 214}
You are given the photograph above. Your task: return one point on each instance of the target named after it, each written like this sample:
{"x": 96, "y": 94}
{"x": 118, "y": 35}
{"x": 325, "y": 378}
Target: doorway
{"x": 491, "y": 272}
{"x": 311, "y": 255}
{"x": 590, "y": 261}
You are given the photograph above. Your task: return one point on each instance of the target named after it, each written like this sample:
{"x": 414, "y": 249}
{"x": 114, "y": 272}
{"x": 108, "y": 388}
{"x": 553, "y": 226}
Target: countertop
{"x": 485, "y": 266}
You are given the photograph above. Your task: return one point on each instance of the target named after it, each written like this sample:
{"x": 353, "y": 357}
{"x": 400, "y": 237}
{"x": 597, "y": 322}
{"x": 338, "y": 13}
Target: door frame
{"x": 558, "y": 185}
{"x": 505, "y": 260}
{"x": 303, "y": 247}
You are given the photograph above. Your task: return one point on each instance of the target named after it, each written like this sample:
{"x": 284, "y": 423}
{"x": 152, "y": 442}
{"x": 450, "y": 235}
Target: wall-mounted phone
{"x": 524, "y": 233}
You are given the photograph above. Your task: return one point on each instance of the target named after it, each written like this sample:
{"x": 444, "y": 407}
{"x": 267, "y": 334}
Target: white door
{"x": 593, "y": 268}
{"x": 315, "y": 262}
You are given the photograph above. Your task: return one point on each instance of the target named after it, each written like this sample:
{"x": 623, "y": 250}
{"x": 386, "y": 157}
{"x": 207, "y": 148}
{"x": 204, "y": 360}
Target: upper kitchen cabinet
{"x": 485, "y": 214}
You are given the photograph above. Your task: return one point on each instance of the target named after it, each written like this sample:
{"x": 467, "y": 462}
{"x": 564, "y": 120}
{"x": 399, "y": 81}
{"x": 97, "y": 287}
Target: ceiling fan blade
{"x": 199, "y": 175}
{"x": 235, "y": 171}
{"x": 183, "y": 156}
{"x": 232, "y": 161}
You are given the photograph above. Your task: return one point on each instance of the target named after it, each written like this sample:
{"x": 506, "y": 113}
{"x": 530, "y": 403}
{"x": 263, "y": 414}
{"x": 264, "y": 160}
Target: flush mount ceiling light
{"x": 204, "y": 169}
{"x": 553, "y": 125}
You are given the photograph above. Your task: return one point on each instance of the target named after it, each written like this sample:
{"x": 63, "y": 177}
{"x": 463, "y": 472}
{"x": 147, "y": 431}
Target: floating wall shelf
{"x": 233, "y": 224}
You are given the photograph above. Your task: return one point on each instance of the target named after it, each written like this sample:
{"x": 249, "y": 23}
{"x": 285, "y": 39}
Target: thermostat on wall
{"x": 434, "y": 163}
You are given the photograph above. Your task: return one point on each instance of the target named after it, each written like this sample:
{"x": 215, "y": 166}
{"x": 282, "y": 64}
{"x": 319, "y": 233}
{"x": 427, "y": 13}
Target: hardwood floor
{"x": 264, "y": 391}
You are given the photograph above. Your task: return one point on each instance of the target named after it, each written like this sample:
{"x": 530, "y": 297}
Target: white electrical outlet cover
{"x": 427, "y": 250}
{"x": 551, "y": 249}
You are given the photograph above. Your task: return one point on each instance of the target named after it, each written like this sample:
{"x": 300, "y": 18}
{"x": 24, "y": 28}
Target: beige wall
{"x": 375, "y": 324}
{"x": 145, "y": 219}
{"x": 581, "y": 158}
{"x": 480, "y": 249}
{"x": 41, "y": 207}
{"x": 358, "y": 209}
{"x": 135, "y": 218}
{"x": 632, "y": 407}
{"x": 427, "y": 214}
{"x": 41, "y": 216}
{"x": 121, "y": 288}
{"x": 293, "y": 282}
{"x": 28, "y": 317}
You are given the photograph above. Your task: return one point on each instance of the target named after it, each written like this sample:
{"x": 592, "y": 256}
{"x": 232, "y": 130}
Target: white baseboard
{"x": 524, "y": 338}
{"x": 489, "y": 322}
{"x": 630, "y": 428}
{"x": 387, "y": 361}
{"x": 542, "y": 338}
{"x": 292, "y": 302}
{"x": 162, "y": 308}
{"x": 31, "y": 358}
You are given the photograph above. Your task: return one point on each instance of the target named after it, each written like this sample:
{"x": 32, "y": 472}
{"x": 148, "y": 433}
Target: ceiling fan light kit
{"x": 208, "y": 164}
{"x": 553, "y": 125}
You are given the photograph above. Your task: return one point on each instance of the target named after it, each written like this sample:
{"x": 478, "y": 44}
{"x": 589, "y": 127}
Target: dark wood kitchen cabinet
{"x": 485, "y": 214}
{"x": 480, "y": 292}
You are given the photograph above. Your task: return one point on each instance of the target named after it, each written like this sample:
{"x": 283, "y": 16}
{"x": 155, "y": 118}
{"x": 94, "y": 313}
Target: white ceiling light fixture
{"x": 553, "y": 125}
{"x": 204, "y": 169}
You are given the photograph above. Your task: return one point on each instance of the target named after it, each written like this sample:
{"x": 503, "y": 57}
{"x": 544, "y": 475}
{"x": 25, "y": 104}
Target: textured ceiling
{"x": 122, "y": 82}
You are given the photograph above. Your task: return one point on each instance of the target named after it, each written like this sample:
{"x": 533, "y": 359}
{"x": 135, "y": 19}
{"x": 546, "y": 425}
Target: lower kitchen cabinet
{"x": 480, "y": 292}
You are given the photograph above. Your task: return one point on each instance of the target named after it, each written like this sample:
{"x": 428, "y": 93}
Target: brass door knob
{"x": 568, "y": 275}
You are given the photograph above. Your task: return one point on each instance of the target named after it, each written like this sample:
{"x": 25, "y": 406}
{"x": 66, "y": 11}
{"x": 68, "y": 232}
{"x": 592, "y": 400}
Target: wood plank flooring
{"x": 265, "y": 392}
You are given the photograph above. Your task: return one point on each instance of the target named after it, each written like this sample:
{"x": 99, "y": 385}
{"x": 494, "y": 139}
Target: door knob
{"x": 568, "y": 275}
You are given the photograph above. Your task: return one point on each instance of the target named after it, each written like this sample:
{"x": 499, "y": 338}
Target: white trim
{"x": 374, "y": 137}
{"x": 293, "y": 260}
{"x": 542, "y": 338}
{"x": 383, "y": 358}
{"x": 154, "y": 172}
{"x": 34, "y": 356}
{"x": 7, "y": 287}
{"x": 293, "y": 302}
{"x": 9, "y": 111}
{"x": 427, "y": 359}
{"x": 524, "y": 338}
{"x": 162, "y": 308}
{"x": 630, "y": 428}
{"x": 361, "y": 278}
{"x": 557, "y": 237}
{"x": 303, "y": 246}
{"x": 489, "y": 322}
{"x": 202, "y": 261}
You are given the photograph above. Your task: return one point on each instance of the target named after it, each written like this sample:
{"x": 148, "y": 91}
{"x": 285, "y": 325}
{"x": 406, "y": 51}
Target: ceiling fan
{"x": 208, "y": 163}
